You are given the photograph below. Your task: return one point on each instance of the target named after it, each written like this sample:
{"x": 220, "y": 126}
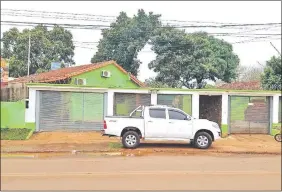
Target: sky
{"x": 250, "y": 53}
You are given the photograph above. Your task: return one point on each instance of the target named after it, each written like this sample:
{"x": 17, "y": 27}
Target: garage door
{"x": 249, "y": 114}
{"x": 70, "y": 111}
{"x": 125, "y": 103}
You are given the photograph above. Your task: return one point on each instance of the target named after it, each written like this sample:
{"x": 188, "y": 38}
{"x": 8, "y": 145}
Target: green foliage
{"x": 183, "y": 58}
{"x": 153, "y": 83}
{"x": 46, "y": 47}
{"x": 14, "y": 134}
{"x": 272, "y": 76}
{"x": 126, "y": 37}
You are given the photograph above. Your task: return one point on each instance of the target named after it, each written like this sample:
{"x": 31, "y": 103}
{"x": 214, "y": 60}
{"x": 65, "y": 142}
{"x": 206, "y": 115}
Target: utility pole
{"x": 28, "y": 58}
{"x": 275, "y": 48}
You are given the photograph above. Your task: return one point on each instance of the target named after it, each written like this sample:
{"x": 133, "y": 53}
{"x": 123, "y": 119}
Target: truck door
{"x": 156, "y": 123}
{"x": 178, "y": 125}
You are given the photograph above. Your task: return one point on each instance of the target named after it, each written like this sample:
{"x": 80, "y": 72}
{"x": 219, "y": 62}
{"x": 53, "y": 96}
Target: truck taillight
{"x": 105, "y": 125}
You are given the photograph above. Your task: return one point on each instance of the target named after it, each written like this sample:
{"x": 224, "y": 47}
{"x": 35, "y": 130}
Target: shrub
{"x": 14, "y": 134}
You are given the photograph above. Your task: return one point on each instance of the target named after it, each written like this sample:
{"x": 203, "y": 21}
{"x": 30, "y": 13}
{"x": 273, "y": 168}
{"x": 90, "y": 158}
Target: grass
{"x": 14, "y": 134}
{"x": 115, "y": 145}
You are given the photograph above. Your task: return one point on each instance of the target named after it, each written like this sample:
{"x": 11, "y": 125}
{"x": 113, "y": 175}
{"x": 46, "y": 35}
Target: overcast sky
{"x": 227, "y": 12}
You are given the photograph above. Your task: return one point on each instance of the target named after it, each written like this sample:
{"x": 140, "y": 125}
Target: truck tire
{"x": 130, "y": 140}
{"x": 202, "y": 140}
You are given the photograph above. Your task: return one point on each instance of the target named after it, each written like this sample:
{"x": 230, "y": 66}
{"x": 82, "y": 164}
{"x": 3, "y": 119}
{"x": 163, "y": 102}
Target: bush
{"x": 14, "y": 134}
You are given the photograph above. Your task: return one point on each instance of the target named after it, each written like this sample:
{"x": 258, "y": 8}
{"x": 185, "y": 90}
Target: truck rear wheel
{"x": 130, "y": 140}
{"x": 202, "y": 140}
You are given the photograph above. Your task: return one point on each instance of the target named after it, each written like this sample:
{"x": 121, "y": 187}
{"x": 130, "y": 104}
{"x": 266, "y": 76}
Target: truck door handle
{"x": 150, "y": 121}
{"x": 170, "y": 122}
{"x": 112, "y": 121}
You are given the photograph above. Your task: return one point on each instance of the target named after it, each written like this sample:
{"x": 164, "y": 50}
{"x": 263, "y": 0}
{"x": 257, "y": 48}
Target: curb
{"x": 129, "y": 153}
{"x": 30, "y": 134}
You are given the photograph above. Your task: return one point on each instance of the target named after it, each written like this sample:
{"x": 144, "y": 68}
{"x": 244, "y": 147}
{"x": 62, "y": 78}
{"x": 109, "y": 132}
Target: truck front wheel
{"x": 202, "y": 140}
{"x": 130, "y": 140}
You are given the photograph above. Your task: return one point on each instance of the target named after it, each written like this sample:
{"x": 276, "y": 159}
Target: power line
{"x": 30, "y": 13}
{"x": 107, "y": 26}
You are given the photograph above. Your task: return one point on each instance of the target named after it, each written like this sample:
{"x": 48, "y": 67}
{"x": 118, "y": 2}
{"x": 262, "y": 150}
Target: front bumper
{"x": 217, "y": 135}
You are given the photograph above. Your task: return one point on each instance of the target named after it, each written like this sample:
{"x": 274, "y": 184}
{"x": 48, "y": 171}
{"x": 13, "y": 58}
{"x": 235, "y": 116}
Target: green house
{"x": 104, "y": 74}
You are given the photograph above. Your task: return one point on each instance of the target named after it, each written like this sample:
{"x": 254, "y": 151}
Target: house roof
{"x": 64, "y": 73}
{"x": 251, "y": 85}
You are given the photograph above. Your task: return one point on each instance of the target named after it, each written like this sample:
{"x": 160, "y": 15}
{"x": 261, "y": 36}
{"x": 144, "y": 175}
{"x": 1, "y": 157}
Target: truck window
{"x": 176, "y": 115}
{"x": 157, "y": 113}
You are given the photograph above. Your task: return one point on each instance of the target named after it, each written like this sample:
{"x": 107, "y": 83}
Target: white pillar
{"x": 30, "y": 112}
{"x": 110, "y": 103}
{"x": 195, "y": 105}
{"x": 275, "y": 109}
{"x": 224, "y": 109}
{"x": 154, "y": 98}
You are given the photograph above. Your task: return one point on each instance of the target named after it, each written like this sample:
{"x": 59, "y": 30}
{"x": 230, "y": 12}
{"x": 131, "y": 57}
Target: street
{"x": 247, "y": 172}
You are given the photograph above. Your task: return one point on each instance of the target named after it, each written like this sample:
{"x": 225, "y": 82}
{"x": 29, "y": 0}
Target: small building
{"x": 103, "y": 74}
{"x": 53, "y": 107}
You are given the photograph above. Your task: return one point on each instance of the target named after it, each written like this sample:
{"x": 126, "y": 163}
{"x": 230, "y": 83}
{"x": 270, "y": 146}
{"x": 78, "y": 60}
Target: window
{"x": 157, "y": 113}
{"x": 176, "y": 115}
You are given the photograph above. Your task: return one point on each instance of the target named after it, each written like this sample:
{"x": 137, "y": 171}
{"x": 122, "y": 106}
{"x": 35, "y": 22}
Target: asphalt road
{"x": 142, "y": 173}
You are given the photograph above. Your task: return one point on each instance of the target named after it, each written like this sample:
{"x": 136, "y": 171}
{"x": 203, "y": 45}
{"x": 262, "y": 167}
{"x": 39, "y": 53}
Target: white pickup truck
{"x": 161, "y": 123}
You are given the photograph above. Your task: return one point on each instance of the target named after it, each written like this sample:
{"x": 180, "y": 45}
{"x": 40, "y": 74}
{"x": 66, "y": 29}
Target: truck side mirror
{"x": 188, "y": 118}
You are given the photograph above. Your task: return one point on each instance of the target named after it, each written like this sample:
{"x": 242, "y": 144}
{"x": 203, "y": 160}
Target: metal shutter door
{"x": 249, "y": 114}
{"x": 125, "y": 103}
{"x": 70, "y": 111}
{"x": 183, "y": 102}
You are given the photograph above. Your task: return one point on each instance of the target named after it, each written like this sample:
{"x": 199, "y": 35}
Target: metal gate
{"x": 70, "y": 111}
{"x": 125, "y": 103}
{"x": 183, "y": 102}
{"x": 249, "y": 114}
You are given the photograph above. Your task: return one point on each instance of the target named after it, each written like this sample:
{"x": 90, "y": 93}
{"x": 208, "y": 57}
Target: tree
{"x": 151, "y": 82}
{"x": 249, "y": 73}
{"x": 190, "y": 59}
{"x": 272, "y": 76}
{"x": 46, "y": 46}
{"x": 125, "y": 38}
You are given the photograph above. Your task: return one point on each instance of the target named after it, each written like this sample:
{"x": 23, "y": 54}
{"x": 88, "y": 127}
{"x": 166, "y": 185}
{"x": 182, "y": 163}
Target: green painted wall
{"x": 183, "y": 102}
{"x": 279, "y": 110}
{"x": 13, "y": 114}
{"x": 117, "y": 79}
{"x": 224, "y": 130}
{"x": 276, "y": 128}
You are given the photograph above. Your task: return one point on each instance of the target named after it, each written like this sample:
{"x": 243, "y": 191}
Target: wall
{"x": 13, "y": 114}
{"x": 30, "y": 117}
{"x": 276, "y": 124}
{"x": 117, "y": 79}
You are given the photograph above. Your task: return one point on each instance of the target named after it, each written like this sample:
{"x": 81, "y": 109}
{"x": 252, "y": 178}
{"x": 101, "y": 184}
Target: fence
{"x": 14, "y": 92}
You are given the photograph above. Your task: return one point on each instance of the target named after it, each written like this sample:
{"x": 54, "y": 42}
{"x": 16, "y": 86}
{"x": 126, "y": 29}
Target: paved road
{"x": 142, "y": 173}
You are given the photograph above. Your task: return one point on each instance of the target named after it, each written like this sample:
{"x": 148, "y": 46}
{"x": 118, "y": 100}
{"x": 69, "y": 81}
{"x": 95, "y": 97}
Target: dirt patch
{"x": 93, "y": 142}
